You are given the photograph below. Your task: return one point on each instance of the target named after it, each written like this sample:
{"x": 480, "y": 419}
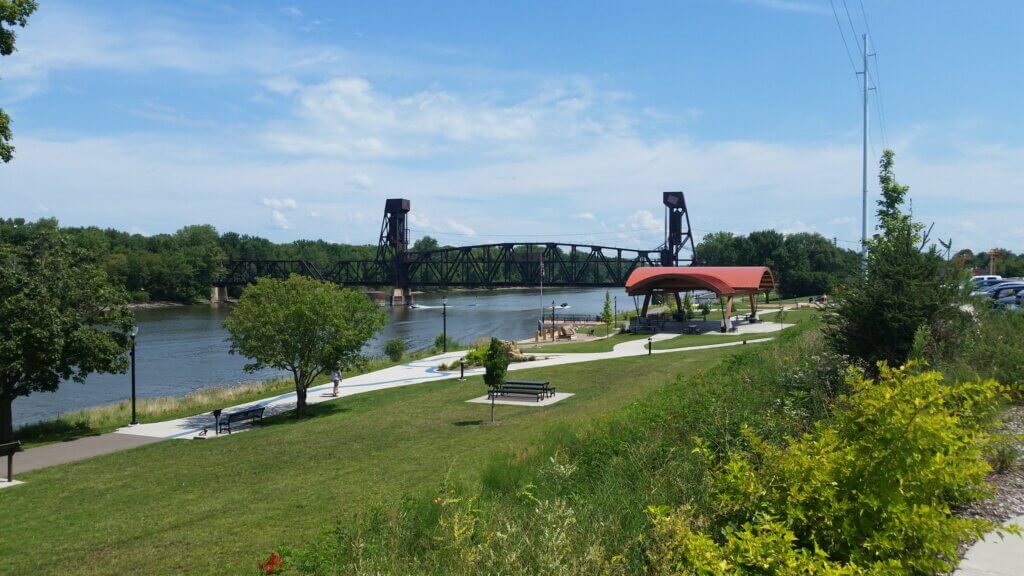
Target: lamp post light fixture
{"x": 552, "y": 320}
{"x": 462, "y": 369}
{"x": 134, "y": 333}
{"x": 444, "y": 320}
{"x": 650, "y": 348}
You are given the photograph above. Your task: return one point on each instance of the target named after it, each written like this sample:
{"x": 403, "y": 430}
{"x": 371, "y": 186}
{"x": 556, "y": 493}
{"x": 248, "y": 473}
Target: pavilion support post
{"x": 679, "y": 303}
{"x": 727, "y": 315}
{"x": 647, "y": 302}
{"x": 753, "y": 307}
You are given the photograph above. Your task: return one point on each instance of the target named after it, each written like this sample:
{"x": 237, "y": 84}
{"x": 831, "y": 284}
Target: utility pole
{"x": 864, "y": 191}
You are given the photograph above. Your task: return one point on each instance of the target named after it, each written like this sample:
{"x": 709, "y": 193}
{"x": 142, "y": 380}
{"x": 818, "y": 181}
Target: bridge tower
{"x": 393, "y": 248}
{"x": 677, "y": 235}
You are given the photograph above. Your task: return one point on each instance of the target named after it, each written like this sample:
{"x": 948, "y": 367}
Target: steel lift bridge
{"x": 397, "y": 268}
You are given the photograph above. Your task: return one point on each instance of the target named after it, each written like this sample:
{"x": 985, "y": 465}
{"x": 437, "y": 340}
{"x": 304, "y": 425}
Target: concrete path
{"x": 415, "y": 372}
{"x": 61, "y": 452}
{"x": 995, "y": 556}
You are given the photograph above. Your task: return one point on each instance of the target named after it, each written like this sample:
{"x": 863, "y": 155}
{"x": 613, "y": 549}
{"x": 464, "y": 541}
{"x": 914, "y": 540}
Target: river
{"x": 181, "y": 349}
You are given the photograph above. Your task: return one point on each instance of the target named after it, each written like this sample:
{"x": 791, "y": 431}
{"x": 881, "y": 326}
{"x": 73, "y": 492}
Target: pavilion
{"x": 724, "y": 281}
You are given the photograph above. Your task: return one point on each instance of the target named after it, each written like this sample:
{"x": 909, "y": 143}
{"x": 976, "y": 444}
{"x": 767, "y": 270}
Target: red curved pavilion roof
{"x": 722, "y": 280}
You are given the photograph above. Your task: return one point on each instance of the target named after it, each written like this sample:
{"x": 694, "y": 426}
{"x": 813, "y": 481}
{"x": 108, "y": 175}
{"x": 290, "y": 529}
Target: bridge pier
{"x": 401, "y": 296}
{"x": 218, "y": 294}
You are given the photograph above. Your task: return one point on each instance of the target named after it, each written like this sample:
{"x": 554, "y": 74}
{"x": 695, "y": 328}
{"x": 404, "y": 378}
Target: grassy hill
{"x": 213, "y": 507}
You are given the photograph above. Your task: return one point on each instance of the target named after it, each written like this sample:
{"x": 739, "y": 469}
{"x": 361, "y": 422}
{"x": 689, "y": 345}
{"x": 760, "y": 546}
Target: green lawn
{"x": 101, "y": 419}
{"x": 688, "y": 340}
{"x": 214, "y": 506}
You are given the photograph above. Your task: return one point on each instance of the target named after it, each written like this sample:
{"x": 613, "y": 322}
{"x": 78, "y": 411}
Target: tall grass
{"x": 579, "y": 503}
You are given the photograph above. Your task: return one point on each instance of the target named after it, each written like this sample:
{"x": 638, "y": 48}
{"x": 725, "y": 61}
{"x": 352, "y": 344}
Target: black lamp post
{"x": 134, "y": 333}
{"x": 650, "y": 348}
{"x": 616, "y": 317}
{"x": 552, "y": 320}
{"x": 444, "y": 320}
{"x": 462, "y": 368}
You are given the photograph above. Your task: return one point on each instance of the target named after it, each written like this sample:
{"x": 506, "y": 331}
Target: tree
{"x": 12, "y": 13}
{"x": 607, "y": 316}
{"x": 495, "y": 364}
{"x": 875, "y": 315}
{"x": 60, "y": 317}
{"x": 425, "y": 244}
{"x": 688, "y": 306}
{"x": 705, "y": 309}
{"x": 305, "y": 326}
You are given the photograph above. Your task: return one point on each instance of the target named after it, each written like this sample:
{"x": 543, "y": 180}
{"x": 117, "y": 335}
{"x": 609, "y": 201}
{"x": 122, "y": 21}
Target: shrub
{"x": 495, "y": 363}
{"x": 872, "y": 487}
{"x": 439, "y": 342}
{"x": 394, "y": 349}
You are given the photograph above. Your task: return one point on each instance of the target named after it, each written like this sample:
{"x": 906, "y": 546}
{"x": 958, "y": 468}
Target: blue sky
{"x": 542, "y": 120}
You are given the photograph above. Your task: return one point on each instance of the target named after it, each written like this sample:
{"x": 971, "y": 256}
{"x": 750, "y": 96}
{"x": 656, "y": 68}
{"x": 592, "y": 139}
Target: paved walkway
{"x": 415, "y": 372}
{"x": 995, "y": 556}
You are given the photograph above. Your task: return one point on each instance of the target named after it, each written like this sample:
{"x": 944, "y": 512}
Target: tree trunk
{"x": 6, "y": 419}
{"x": 300, "y": 405}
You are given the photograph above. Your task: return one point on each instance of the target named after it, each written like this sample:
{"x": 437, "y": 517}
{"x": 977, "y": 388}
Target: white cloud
{"x": 584, "y": 216}
{"x": 347, "y": 117}
{"x": 459, "y": 228}
{"x": 361, "y": 181}
{"x": 315, "y": 214}
{"x": 284, "y": 85}
{"x": 279, "y": 220}
{"x": 643, "y": 220}
{"x": 280, "y": 203}
{"x": 41, "y": 209}
{"x": 291, "y": 11}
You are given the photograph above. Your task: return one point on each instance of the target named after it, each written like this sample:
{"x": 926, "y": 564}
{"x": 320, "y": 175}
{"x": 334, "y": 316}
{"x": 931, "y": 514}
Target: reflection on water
{"x": 184, "y": 348}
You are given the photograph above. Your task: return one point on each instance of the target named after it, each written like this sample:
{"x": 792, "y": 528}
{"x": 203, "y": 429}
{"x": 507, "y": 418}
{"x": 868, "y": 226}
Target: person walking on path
{"x": 336, "y": 379}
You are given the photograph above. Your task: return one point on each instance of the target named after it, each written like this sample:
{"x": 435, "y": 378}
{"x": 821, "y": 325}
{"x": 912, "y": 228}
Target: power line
{"x": 849, "y": 55}
{"x": 879, "y": 104}
{"x": 853, "y": 29}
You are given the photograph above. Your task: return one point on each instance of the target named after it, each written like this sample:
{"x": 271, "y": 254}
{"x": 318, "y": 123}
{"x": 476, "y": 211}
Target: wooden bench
{"x": 8, "y": 450}
{"x": 537, "y": 389}
{"x": 251, "y": 415}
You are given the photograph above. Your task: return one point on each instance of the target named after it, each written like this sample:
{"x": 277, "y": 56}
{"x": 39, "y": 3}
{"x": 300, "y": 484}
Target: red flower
{"x": 273, "y": 563}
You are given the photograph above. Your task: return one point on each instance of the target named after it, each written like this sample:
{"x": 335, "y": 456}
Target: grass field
{"x": 213, "y": 507}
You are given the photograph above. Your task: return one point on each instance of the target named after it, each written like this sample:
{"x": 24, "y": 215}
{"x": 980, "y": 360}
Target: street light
{"x": 552, "y": 320}
{"x": 616, "y": 300}
{"x": 134, "y": 333}
{"x": 444, "y": 320}
{"x": 462, "y": 369}
{"x": 650, "y": 348}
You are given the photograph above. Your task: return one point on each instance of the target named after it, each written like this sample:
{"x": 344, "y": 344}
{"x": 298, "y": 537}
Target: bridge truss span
{"x": 499, "y": 265}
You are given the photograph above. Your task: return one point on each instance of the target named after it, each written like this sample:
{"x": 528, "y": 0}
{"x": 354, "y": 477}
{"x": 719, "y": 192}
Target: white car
{"x": 983, "y": 277}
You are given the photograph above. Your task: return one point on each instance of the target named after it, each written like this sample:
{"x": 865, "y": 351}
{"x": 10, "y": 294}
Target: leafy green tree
{"x": 60, "y": 317}
{"x": 705, "y": 309}
{"x": 495, "y": 364}
{"x": 904, "y": 286}
{"x": 12, "y": 13}
{"x": 425, "y": 244}
{"x": 688, "y": 306}
{"x": 304, "y": 326}
{"x": 607, "y": 316}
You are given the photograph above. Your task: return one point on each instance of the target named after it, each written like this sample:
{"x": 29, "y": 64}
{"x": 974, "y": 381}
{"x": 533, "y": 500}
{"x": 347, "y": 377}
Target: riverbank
{"x": 98, "y": 420}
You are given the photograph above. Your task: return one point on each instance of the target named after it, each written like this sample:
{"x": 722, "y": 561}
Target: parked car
{"x": 995, "y": 286}
{"x": 1008, "y": 297}
{"x": 984, "y": 277}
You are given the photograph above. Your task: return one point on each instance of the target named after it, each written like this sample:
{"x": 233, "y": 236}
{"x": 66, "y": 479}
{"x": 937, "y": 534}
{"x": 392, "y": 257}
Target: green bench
{"x": 537, "y": 389}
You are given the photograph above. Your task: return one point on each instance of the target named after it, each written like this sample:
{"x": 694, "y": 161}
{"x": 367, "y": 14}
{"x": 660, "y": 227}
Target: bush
{"x": 439, "y": 342}
{"x": 993, "y": 347}
{"x": 873, "y": 487}
{"x": 394, "y": 349}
